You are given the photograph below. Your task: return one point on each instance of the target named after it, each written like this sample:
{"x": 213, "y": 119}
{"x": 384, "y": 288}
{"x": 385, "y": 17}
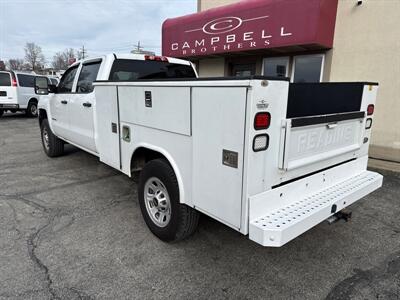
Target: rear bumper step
{"x": 277, "y": 226}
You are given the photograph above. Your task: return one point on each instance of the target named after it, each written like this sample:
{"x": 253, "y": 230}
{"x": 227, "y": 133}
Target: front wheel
{"x": 52, "y": 145}
{"x": 165, "y": 216}
{"x": 1, "y": 112}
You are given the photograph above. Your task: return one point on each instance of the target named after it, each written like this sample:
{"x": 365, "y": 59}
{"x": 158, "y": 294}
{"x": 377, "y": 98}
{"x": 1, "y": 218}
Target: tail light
{"x": 370, "y": 109}
{"x": 13, "y": 80}
{"x": 262, "y": 120}
{"x": 156, "y": 58}
{"x": 260, "y": 142}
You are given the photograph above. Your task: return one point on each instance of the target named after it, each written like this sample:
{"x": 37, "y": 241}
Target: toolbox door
{"x": 218, "y": 124}
{"x": 107, "y": 122}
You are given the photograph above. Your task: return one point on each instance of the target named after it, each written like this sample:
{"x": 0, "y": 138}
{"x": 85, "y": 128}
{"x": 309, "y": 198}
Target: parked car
{"x": 266, "y": 157}
{"x": 17, "y": 93}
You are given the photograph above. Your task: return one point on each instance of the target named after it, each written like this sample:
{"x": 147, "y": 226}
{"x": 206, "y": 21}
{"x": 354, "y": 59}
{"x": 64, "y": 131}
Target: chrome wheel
{"x": 45, "y": 137}
{"x": 157, "y": 201}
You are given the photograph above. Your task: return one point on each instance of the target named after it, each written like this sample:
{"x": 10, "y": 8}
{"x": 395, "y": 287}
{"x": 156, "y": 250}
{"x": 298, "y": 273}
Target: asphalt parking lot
{"x": 71, "y": 228}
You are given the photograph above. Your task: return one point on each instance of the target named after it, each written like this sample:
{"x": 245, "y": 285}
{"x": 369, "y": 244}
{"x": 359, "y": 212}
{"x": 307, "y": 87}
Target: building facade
{"x": 306, "y": 40}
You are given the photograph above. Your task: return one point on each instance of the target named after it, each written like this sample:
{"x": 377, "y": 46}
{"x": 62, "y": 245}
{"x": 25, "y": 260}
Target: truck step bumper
{"x": 277, "y": 225}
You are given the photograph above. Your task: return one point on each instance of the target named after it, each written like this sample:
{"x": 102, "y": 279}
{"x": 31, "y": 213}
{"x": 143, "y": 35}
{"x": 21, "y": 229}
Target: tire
{"x": 158, "y": 177}
{"x": 32, "y": 110}
{"x": 52, "y": 145}
{"x": 1, "y": 112}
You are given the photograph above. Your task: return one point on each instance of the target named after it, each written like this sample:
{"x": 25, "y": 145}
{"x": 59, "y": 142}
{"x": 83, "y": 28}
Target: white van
{"x": 17, "y": 93}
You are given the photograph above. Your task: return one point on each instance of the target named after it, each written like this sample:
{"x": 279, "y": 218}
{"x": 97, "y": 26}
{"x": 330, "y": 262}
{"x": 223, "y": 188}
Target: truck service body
{"x": 266, "y": 157}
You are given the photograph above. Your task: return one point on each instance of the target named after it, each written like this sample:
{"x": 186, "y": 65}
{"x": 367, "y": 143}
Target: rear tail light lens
{"x": 262, "y": 120}
{"x": 370, "y": 109}
{"x": 260, "y": 142}
{"x": 13, "y": 79}
{"x": 368, "y": 123}
{"x": 156, "y": 58}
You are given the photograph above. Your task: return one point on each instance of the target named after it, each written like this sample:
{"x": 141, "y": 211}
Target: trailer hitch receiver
{"x": 340, "y": 215}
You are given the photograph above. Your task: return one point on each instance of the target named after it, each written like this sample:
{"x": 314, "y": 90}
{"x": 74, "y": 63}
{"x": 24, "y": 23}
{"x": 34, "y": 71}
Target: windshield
{"x": 128, "y": 70}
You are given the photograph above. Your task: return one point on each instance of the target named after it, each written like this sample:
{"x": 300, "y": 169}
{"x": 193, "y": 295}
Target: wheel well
{"x": 33, "y": 100}
{"x": 42, "y": 116}
{"x": 143, "y": 155}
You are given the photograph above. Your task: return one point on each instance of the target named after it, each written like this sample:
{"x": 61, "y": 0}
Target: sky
{"x": 102, "y": 26}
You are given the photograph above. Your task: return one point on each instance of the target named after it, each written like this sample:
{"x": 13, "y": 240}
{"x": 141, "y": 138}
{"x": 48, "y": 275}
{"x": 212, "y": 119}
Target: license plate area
{"x": 3, "y": 94}
{"x": 310, "y": 140}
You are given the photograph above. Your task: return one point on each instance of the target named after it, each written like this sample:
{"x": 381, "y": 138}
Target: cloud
{"x": 103, "y": 26}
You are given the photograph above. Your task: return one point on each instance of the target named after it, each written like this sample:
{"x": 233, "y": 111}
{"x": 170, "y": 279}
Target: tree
{"x": 58, "y": 62}
{"x": 61, "y": 60}
{"x": 34, "y": 56}
{"x": 15, "y": 64}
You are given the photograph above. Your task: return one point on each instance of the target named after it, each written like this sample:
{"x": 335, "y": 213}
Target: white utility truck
{"x": 268, "y": 158}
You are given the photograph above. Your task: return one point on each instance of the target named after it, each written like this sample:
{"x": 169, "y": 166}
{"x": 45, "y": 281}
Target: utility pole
{"x": 138, "y": 47}
{"x": 83, "y": 51}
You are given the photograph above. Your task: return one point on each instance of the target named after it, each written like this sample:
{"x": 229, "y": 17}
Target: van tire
{"x": 52, "y": 145}
{"x": 32, "y": 110}
{"x": 1, "y": 112}
{"x": 183, "y": 219}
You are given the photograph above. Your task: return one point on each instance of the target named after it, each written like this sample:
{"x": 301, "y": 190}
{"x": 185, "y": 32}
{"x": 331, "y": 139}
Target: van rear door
{"x": 8, "y": 89}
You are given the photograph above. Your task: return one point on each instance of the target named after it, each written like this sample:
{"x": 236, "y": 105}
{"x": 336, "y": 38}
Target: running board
{"x": 277, "y": 225}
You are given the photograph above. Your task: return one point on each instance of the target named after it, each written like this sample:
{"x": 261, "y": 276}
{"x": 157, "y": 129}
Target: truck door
{"x": 82, "y": 106}
{"x": 60, "y": 102}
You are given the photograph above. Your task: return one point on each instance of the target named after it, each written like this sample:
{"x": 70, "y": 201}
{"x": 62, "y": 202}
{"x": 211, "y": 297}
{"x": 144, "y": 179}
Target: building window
{"x": 307, "y": 68}
{"x": 243, "y": 70}
{"x": 276, "y": 66}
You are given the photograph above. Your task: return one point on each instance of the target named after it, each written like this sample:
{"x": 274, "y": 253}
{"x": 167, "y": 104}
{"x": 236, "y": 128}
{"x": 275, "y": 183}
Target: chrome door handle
{"x": 64, "y": 101}
{"x": 87, "y": 104}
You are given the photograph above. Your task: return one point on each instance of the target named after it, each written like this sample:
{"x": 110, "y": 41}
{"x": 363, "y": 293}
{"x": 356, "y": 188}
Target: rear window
{"x": 26, "y": 80}
{"x": 128, "y": 69}
{"x": 5, "y": 79}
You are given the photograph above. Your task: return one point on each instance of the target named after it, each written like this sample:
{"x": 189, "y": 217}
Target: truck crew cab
{"x": 266, "y": 157}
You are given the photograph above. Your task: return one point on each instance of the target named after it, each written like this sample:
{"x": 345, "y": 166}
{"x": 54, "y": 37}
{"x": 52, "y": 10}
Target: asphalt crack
{"x": 32, "y": 243}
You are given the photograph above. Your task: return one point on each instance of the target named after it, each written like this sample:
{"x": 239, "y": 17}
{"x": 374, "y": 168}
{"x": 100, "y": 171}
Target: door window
{"x": 65, "y": 85}
{"x": 308, "y": 68}
{"x": 276, "y": 66}
{"x": 5, "y": 79}
{"x": 87, "y": 76}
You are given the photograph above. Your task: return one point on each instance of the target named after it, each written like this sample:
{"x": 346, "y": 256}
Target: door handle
{"x": 87, "y": 104}
{"x": 64, "y": 101}
{"x": 331, "y": 125}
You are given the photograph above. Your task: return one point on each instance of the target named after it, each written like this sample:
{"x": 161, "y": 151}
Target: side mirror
{"x": 52, "y": 88}
{"x": 41, "y": 86}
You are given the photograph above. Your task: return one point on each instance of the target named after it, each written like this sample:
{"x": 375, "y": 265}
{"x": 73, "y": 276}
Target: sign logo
{"x": 223, "y": 25}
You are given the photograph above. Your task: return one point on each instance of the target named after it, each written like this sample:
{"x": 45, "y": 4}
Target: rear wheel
{"x": 52, "y": 145}
{"x": 165, "y": 216}
{"x": 1, "y": 112}
{"x": 32, "y": 110}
